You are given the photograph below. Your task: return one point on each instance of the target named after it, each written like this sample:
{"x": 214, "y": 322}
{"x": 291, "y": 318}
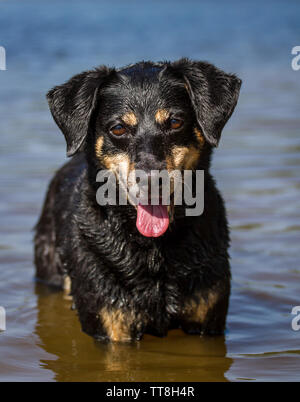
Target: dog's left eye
{"x": 119, "y": 129}
{"x": 175, "y": 123}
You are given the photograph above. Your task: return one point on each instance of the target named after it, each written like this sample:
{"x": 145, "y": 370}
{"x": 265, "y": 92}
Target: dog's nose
{"x": 147, "y": 162}
{"x": 150, "y": 188}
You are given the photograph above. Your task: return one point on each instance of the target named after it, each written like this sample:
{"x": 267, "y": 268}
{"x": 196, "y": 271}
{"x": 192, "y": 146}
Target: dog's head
{"x": 146, "y": 117}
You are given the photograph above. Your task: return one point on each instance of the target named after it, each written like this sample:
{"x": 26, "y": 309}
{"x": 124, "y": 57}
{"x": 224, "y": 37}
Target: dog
{"x": 127, "y": 275}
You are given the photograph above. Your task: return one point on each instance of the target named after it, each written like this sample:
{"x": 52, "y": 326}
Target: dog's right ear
{"x": 73, "y": 103}
{"x": 213, "y": 94}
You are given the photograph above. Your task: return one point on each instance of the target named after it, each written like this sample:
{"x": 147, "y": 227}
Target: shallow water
{"x": 256, "y": 166}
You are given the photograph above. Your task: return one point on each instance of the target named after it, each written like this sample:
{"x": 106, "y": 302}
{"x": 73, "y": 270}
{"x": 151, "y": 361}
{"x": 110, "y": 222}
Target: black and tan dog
{"x": 125, "y": 282}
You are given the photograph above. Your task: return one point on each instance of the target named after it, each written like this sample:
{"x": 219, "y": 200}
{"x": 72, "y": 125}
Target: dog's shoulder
{"x": 68, "y": 176}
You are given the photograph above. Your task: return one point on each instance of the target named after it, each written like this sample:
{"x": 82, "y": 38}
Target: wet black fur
{"x": 110, "y": 263}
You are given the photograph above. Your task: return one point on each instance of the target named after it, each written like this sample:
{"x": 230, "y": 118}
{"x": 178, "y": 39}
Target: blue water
{"x": 256, "y": 166}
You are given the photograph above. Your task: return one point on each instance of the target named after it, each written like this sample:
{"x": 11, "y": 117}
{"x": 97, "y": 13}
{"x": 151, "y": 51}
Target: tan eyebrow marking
{"x": 130, "y": 119}
{"x": 161, "y": 116}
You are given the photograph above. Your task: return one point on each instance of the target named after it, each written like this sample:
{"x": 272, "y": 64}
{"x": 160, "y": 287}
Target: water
{"x": 256, "y": 167}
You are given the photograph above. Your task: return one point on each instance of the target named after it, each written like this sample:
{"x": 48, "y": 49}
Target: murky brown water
{"x": 257, "y": 167}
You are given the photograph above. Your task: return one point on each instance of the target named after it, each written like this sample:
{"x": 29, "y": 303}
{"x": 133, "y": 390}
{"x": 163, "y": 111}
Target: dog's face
{"x": 145, "y": 119}
{"x": 148, "y": 116}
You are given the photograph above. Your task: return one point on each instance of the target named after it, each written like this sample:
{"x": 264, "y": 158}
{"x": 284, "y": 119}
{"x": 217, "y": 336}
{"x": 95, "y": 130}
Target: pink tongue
{"x": 152, "y": 220}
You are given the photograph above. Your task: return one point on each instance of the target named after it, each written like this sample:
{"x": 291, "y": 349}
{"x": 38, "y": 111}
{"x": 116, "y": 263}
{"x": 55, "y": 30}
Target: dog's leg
{"x": 111, "y": 324}
{"x": 46, "y": 258}
{"x": 120, "y": 326}
{"x": 205, "y": 312}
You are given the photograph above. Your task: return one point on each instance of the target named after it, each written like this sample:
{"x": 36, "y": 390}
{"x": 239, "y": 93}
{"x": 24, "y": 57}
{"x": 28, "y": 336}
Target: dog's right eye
{"x": 176, "y": 123}
{"x": 119, "y": 129}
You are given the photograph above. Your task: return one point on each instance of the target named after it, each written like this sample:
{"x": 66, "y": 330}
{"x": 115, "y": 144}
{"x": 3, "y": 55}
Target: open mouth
{"x": 154, "y": 213}
{"x": 152, "y": 220}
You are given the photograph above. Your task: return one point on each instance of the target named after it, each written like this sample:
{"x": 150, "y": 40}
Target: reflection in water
{"x": 178, "y": 357}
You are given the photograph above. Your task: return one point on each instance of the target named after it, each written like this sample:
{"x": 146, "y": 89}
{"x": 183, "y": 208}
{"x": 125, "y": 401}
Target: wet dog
{"x": 138, "y": 269}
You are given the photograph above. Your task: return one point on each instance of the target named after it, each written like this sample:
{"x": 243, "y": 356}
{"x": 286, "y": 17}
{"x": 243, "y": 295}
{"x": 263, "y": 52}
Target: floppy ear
{"x": 73, "y": 103}
{"x": 213, "y": 94}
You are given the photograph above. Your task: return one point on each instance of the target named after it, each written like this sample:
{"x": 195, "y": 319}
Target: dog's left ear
{"x": 73, "y": 103}
{"x": 213, "y": 94}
